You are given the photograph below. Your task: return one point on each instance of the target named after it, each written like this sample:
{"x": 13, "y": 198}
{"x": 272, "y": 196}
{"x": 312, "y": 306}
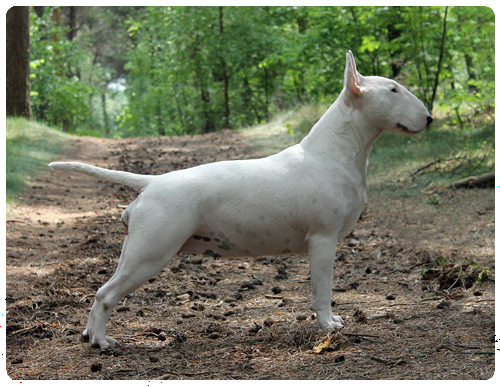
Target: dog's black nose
{"x": 429, "y": 120}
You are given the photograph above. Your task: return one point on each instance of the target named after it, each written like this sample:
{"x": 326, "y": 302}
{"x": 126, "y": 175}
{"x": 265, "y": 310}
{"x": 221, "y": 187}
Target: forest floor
{"x": 405, "y": 283}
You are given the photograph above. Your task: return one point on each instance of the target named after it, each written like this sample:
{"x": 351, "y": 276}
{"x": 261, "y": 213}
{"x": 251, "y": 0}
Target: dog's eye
{"x": 394, "y": 90}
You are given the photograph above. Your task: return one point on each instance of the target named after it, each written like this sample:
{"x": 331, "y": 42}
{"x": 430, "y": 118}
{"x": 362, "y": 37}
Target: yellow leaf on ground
{"x": 324, "y": 345}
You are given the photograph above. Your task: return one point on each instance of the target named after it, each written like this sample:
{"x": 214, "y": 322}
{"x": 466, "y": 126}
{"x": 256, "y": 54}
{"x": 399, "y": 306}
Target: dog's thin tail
{"x": 137, "y": 182}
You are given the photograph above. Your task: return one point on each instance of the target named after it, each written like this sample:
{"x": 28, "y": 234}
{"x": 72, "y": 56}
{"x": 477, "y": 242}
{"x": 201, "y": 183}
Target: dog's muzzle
{"x": 429, "y": 120}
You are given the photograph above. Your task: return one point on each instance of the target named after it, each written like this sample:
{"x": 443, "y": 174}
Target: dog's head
{"x": 383, "y": 102}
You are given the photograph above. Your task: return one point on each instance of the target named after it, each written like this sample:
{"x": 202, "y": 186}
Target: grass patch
{"x": 285, "y": 129}
{"x": 29, "y": 147}
{"x": 304, "y": 118}
{"x": 436, "y": 156}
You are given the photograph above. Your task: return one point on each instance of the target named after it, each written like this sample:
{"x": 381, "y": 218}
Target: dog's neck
{"x": 342, "y": 134}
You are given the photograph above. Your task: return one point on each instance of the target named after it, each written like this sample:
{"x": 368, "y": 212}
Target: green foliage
{"x": 483, "y": 276}
{"x": 58, "y": 97}
{"x": 176, "y": 80}
{"x": 200, "y": 69}
{"x": 442, "y": 260}
{"x": 66, "y": 77}
{"x": 29, "y": 147}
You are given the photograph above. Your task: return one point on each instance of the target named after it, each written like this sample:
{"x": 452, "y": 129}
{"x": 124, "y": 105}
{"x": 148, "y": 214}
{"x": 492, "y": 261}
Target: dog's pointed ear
{"x": 352, "y": 79}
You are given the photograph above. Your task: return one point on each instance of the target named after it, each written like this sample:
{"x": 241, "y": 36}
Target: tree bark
{"x": 72, "y": 23}
{"x": 39, "y": 10}
{"x": 394, "y": 33}
{"x": 441, "y": 54}
{"x": 224, "y": 72}
{"x": 18, "y": 62}
{"x": 105, "y": 114}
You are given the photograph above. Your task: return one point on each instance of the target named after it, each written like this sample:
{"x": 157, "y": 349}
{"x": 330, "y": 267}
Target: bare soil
{"x": 405, "y": 283}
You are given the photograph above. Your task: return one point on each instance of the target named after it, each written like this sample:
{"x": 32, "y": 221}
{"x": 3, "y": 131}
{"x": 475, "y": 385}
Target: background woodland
{"x": 140, "y": 71}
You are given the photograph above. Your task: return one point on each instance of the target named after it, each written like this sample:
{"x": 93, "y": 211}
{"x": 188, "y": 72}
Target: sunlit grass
{"x": 449, "y": 153}
{"x": 29, "y": 148}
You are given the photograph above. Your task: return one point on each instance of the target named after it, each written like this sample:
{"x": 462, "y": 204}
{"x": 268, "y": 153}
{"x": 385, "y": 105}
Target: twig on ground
{"x": 426, "y": 166}
{"x": 359, "y": 334}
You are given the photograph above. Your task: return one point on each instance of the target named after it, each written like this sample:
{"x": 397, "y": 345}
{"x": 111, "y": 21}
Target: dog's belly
{"x": 237, "y": 239}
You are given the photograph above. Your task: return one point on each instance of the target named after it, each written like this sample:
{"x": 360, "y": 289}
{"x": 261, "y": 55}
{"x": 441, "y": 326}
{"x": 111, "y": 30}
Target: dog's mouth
{"x": 399, "y": 124}
{"x": 405, "y": 129}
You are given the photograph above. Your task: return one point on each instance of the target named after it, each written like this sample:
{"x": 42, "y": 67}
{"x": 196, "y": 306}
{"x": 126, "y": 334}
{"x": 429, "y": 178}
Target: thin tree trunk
{"x": 394, "y": 33}
{"x": 105, "y": 114}
{"x": 18, "y": 62}
{"x": 179, "y": 109}
{"x": 161, "y": 127}
{"x": 224, "y": 72}
{"x": 266, "y": 86}
{"x": 72, "y": 23}
{"x": 441, "y": 54}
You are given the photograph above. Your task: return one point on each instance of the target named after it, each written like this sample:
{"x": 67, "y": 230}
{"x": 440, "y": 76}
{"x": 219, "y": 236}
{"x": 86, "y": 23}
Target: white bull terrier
{"x": 301, "y": 200}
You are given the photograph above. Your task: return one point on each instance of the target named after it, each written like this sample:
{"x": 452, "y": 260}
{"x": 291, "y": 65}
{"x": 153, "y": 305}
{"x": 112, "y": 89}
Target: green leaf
{"x": 369, "y": 44}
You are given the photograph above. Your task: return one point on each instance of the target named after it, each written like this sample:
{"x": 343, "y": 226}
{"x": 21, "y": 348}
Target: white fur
{"x": 301, "y": 200}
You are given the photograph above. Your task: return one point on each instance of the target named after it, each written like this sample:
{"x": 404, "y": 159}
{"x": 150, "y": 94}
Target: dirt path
{"x": 202, "y": 318}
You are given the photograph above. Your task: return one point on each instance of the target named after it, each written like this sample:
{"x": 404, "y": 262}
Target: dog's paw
{"x": 108, "y": 342}
{"x": 104, "y": 343}
{"x": 331, "y": 324}
{"x": 337, "y": 319}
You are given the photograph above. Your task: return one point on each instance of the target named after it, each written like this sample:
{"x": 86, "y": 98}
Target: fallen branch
{"x": 486, "y": 180}
{"x": 425, "y": 167}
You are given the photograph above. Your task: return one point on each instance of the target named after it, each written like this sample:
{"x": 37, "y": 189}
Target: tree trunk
{"x": 72, "y": 23}
{"x": 39, "y": 10}
{"x": 179, "y": 108}
{"x": 18, "y": 62}
{"x": 441, "y": 54}
{"x": 159, "y": 122}
{"x": 209, "y": 119}
{"x": 394, "y": 33}
{"x": 472, "y": 74}
{"x": 266, "y": 87}
{"x": 56, "y": 18}
{"x": 105, "y": 114}
{"x": 224, "y": 73}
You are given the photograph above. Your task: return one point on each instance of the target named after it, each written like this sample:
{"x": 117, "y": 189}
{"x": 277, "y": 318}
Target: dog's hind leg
{"x": 141, "y": 258}
{"x": 322, "y": 250}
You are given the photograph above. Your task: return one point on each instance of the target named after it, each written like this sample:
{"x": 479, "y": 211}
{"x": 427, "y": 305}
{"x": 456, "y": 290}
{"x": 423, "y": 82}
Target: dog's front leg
{"x": 322, "y": 250}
